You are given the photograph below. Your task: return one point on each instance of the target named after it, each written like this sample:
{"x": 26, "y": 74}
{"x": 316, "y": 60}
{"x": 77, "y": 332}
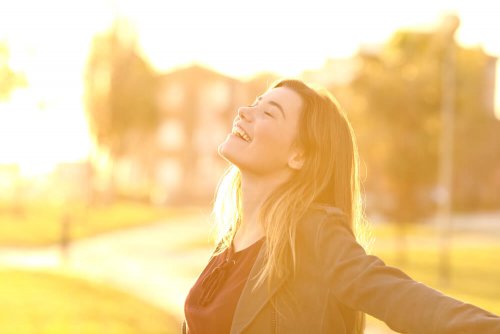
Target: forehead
{"x": 288, "y": 99}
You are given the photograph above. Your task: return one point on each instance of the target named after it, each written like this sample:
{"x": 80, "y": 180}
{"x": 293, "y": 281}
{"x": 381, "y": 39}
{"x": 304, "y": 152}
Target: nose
{"x": 244, "y": 113}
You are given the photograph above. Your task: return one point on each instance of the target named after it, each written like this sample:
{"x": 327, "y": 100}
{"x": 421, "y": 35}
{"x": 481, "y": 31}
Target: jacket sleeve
{"x": 363, "y": 282}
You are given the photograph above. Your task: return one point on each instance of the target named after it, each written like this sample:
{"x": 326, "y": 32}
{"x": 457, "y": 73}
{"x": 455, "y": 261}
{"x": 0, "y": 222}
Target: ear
{"x": 296, "y": 160}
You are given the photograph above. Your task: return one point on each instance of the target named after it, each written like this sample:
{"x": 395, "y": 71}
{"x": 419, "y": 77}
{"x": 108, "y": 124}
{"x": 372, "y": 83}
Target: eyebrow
{"x": 274, "y": 103}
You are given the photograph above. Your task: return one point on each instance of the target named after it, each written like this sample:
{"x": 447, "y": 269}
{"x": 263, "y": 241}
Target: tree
{"x": 399, "y": 94}
{"x": 120, "y": 87}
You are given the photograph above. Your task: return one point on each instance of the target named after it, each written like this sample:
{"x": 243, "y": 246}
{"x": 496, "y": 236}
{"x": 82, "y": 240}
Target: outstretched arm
{"x": 365, "y": 283}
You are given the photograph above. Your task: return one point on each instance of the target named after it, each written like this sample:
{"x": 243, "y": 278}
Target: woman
{"x": 287, "y": 260}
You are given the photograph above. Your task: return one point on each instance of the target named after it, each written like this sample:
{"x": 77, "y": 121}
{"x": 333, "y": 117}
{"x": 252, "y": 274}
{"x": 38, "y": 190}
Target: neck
{"x": 255, "y": 189}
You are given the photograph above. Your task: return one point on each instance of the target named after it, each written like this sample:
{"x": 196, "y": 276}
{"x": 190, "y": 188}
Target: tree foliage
{"x": 400, "y": 94}
{"x": 120, "y": 88}
{"x": 477, "y": 135}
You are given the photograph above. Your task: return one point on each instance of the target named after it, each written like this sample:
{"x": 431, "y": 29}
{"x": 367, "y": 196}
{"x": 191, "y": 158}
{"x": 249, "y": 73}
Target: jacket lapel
{"x": 251, "y": 302}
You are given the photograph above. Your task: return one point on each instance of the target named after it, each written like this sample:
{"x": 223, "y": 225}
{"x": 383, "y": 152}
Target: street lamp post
{"x": 445, "y": 182}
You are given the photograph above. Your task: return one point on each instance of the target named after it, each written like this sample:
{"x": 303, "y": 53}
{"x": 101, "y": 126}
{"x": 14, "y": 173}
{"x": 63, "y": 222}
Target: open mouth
{"x": 240, "y": 133}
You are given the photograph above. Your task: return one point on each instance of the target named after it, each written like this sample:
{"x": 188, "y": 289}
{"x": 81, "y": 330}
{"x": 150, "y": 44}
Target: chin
{"x": 233, "y": 158}
{"x": 224, "y": 152}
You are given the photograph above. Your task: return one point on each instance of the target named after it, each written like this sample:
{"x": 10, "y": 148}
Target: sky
{"x": 49, "y": 40}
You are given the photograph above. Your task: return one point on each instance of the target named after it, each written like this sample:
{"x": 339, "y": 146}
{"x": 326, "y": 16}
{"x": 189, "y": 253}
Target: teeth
{"x": 241, "y": 133}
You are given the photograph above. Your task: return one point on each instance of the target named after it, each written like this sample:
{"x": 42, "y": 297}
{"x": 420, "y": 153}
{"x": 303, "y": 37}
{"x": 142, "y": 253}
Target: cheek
{"x": 274, "y": 141}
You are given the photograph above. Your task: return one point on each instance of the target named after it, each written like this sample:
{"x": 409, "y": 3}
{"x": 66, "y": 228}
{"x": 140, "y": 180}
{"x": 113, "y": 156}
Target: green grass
{"x": 39, "y": 224}
{"x": 48, "y": 303}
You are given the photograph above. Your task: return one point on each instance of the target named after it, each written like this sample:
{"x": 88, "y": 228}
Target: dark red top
{"x": 211, "y": 303}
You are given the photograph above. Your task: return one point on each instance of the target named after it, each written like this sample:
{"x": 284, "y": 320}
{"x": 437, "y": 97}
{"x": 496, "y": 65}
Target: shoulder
{"x": 326, "y": 209}
{"x": 321, "y": 219}
{"x": 324, "y": 237}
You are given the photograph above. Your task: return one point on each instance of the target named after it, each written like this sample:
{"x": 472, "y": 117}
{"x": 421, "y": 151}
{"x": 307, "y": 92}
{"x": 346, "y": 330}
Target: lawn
{"x": 40, "y": 224}
{"x": 36, "y": 302}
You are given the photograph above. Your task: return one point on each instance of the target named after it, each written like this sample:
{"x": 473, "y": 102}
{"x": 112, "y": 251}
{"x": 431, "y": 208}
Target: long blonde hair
{"x": 329, "y": 176}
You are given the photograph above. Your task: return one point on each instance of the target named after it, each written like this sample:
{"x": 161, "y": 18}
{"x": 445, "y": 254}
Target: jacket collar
{"x": 251, "y": 302}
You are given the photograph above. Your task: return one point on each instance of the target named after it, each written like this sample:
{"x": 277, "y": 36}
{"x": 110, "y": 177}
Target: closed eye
{"x": 265, "y": 112}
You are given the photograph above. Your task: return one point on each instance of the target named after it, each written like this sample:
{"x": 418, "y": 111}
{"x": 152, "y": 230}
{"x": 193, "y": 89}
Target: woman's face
{"x": 262, "y": 137}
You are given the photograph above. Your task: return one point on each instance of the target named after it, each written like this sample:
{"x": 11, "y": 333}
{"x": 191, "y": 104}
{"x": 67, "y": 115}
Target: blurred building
{"x": 178, "y": 161}
{"x": 196, "y": 107}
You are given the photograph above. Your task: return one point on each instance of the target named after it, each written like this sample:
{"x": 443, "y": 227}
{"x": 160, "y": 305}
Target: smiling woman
{"x": 287, "y": 211}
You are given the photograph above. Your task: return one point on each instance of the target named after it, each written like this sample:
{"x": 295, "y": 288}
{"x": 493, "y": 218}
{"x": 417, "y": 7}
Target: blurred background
{"x": 111, "y": 113}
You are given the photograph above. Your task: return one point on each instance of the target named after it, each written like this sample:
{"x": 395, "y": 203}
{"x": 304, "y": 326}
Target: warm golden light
{"x": 49, "y": 42}
{"x": 44, "y": 124}
{"x": 111, "y": 113}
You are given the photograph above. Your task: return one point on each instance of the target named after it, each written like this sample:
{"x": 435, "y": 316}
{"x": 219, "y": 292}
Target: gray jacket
{"x": 334, "y": 278}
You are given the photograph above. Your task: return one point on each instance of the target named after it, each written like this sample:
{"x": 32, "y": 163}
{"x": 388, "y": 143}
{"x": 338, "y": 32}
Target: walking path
{"x": 152, "y": 262}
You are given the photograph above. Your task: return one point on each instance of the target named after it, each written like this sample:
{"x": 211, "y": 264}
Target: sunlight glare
{"x": 44, "y": 124}
{"x": 49, "y": 41}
